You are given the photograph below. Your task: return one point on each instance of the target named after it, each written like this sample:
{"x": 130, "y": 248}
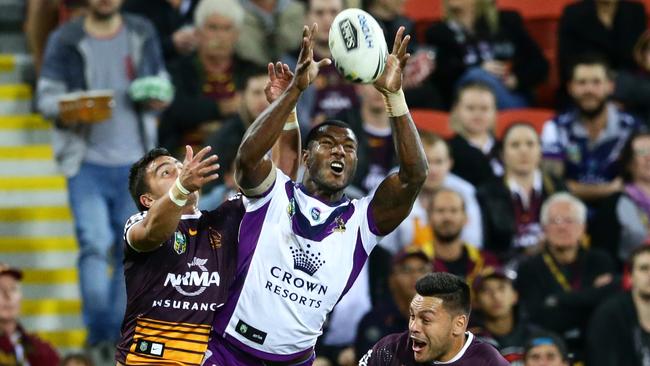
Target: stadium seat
{"x": 433, "y": 121}
{"x": 531, "y": 9}
{"x": 534, "y": 116}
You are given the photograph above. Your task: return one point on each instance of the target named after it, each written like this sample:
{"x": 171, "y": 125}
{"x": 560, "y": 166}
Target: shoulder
{"x": 69, "y": 33}
{"x": 387, "y": 350}
{"x": 439, "y": 32}
{"x": 491, "y": 189}
{"x": 597, "y": 257}
{"x": 510, "y": 17}
{"x": 631, "y": 7}
{"x": 576, "y": 9}
{"x": 45, "y": 351}
{"x": 139, "y": 24}
{"x": 485, "y": 353}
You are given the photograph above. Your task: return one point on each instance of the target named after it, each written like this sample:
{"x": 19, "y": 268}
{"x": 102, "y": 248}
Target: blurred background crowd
{"x": 533, "y": 116}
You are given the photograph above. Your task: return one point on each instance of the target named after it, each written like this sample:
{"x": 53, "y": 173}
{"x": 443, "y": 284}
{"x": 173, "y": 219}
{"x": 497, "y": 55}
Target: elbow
{"x": 418, "y": 174}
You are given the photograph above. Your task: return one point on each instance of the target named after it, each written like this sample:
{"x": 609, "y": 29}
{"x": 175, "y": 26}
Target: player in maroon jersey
{"x": 437, "y": 333}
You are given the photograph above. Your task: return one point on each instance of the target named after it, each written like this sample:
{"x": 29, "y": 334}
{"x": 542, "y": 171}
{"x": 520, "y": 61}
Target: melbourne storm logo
{"x": 307, "y": 261}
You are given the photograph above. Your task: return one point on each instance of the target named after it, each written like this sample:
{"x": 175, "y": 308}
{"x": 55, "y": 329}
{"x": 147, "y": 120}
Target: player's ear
{"x": 459, "y": 324}
{"x": 146, "y": 200}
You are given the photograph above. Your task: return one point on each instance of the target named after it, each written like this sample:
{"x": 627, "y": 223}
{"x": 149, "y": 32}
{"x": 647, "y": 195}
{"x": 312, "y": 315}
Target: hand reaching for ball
{"x": 390, "y": 80}
{"x": 307, "y": 69}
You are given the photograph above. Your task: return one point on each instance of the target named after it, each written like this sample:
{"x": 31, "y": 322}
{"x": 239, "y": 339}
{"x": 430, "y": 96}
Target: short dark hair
{"x": 315, "y": 132}
{"x": 516, "y": 124}
{"x": 138, "y": 184}
{"x": 452, "y": 289}
{"x": 541, "y": 338}
{"x": 627, "y": 155}
{"x": 251, "y": 72}
{"x": 642, "y": 249}
{"x": 473, "y": 85}
{"x": 590, "y": 59}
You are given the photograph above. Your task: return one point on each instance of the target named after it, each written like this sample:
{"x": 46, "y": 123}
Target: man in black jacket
{"x": 619, "y": 332}
{"x": 561, "y": 286}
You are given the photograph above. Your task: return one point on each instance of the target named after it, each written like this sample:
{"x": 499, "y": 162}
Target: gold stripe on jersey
{"x": 184, "y": 343}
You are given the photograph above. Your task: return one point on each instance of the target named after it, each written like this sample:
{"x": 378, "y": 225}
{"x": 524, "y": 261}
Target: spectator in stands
{"x": 392, "y": 314}
{"x": 478, "y": 42}
{"x": 511, "y": 206}
{"x": 474, "y": 148}
{"x": 17, "y": 347}
{"x": 546, "y": 349}
{"x": 104, "y": 50}
{"x": 609, "y": 28}
{"x": 43, "y": 17}
{"x": 420, "y": 92}
{"x": 226, "y": 140}
{"x": 619, "y": 331}
{"x": 584, "y": 144}
{"x": 207, "y": 82}
{"x": 330, "y": 94}
{"x": 414, "y": 230}
{"x": 173, "y": 21}
{"x": 447, "y": 217}
{"x": 633, "y": 86}
{"x": 560, "y": 287}
{"x": 496, "y": 318}
{"x": 622, "y": 221}
{"x": 271, "y": 29}
{"x": 76, "y": 359}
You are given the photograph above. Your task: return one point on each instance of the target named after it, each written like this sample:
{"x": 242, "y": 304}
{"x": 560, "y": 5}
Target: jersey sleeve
{"x": 278, "y": 187}
{"x": 132, "y": 221}
{"x": 370, "y": 234}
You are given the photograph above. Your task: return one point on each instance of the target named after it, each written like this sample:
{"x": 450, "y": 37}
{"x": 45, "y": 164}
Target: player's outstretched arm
{"x": 286, "y": 151}
{"x": 394, "y": 198}
{"x": 252, "y": 166}
{"x": 165, "y": 213}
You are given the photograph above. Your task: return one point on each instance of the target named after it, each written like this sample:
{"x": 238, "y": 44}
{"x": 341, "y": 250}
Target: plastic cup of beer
{"x": 98, "y": 105}
{"x": 69, "y": 107}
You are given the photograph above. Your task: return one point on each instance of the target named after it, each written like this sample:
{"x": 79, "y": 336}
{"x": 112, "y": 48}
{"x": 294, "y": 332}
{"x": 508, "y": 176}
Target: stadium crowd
{"x": 549, "y": 227}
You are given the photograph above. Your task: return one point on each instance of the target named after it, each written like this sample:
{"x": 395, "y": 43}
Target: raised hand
{"x": 390, "y": 80}
{"x": 307, "y": 69}
{"x": 196, "y": 171}
{"x": 280, "y": 77}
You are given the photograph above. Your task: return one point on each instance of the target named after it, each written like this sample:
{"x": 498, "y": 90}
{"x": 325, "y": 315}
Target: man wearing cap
{"x": 17, "y": 347}
{"x": 391, "y": 315}
{"x": 545, "y": 349}
{"x": 496, "y": 319}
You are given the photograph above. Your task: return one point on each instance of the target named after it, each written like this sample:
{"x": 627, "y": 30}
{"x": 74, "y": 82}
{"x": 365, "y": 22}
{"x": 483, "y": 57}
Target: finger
{"x": 398, "y": 40}
{"x": 324, "y": 62}
{"x": 208, "y": 170}
{"x": 404, "y": 60}
{"x": 305, "y": 41}
{"x": 199, "y": 156}
{"x": 287, "y": 70}
{"x": 403, "y": 46}
{"x": 278, "y": 69}
{"x": 210, "y": 178}
{"x": 271, "y": 70}
{"x": 188, "y": 154}
{"x": 210, "y": 160}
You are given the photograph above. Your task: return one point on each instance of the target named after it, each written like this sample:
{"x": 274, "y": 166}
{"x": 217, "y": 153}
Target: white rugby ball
{"x": 358, "y": 46}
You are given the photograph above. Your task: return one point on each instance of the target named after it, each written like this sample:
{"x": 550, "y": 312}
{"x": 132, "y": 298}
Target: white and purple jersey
{"x": 298, "y": 256}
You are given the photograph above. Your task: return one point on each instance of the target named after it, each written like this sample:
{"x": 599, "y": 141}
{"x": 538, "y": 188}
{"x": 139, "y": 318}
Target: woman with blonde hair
{"x": 478, "y": 42}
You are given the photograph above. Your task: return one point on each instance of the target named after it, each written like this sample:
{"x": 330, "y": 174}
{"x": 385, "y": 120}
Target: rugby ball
{"x": 358, "y": 46}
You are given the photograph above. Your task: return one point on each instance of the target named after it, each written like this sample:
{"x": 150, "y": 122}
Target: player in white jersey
{"x": 302, "y": 245}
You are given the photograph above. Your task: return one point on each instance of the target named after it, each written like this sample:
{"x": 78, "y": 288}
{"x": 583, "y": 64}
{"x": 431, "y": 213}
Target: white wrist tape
{"x": 396, "y": 103}
{"x": 180, "y": 187}
{"x": 178, "y": 202}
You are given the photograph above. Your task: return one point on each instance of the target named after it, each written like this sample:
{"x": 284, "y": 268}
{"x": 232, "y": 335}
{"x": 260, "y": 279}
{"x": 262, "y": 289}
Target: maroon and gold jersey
{"x": 174, "y": 291}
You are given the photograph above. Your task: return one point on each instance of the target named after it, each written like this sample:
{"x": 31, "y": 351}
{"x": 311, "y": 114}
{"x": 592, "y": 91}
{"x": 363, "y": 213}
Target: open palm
{"x": 307, "y": 69}
{"x": 391, "y": 79}
{"x": 280, "y": 76}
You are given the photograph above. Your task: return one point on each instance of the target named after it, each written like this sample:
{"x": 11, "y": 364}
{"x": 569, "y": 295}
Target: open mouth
{"x": 337, "y": 167}
{"x": 418, "y": 345}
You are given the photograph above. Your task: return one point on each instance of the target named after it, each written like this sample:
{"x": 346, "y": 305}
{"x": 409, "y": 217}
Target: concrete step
{"x": 31, "y": 152}
{"x": 13, "y": 198}
{"x": 50, "y": 323}
{"x": 16, "y": 68}
{"x": 36, "y": 229}
{"x": 44, "y": 213}
{"x": 67, "y": 291}
{"x": 53, "y": 276}
{"x": 13, "y": 41}
{"x": 43, "y": 260}
{"x": 15, "y": 99}
{"x": 24, "y": 137}
{"x": 36, "y": 244}
{"x": 41, "y": 307}
{"x": 24, "y": 168}
{"x": 65, "y": 339}
{"x": 33, "y": 183}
